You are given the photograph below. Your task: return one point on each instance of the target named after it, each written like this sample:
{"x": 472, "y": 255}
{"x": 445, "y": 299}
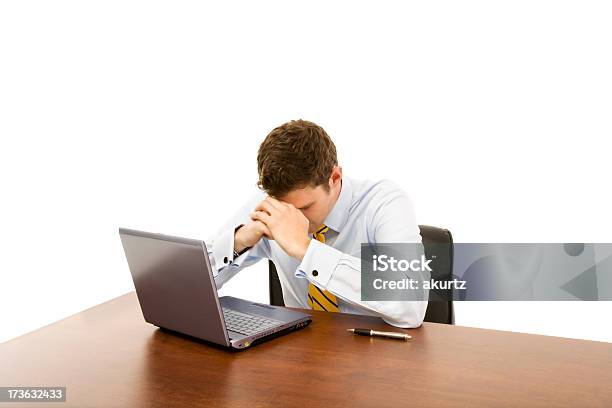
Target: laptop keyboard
{"x": 247, "y": 324}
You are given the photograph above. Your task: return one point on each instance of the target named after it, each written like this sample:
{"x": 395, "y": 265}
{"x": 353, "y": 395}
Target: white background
{"x": 494, "y": 116}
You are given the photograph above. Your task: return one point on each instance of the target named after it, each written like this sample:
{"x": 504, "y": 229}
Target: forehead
{"x": 301, "y": 197}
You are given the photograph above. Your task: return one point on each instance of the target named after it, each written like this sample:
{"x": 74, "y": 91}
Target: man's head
{"x": 297, "y": 164}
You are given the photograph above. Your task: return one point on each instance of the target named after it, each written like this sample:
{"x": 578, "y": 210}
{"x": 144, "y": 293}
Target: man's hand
{"x": 287, "y": 225}
{"x": 248, "y": 235}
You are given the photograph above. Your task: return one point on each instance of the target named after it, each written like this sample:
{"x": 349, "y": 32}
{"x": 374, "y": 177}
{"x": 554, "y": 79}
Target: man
{"x": 311, "y": 221}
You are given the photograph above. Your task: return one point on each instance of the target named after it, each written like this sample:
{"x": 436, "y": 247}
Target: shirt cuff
{"x": 241, "y": 258}
{"x": 319, "y": 263}
{"x": 223, "y": 249}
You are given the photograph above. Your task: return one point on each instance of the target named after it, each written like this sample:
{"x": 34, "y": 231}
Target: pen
{"x": 391, "y": 335}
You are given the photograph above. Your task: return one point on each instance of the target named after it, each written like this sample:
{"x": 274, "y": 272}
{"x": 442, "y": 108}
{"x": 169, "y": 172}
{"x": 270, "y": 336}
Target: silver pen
{"x": 391, "y": 335}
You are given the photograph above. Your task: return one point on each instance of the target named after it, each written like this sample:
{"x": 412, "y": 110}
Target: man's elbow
{"x": 409, "y": 316}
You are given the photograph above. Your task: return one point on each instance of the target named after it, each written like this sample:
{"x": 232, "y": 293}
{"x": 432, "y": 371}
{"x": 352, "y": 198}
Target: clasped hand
{"x": 286, "y": 225}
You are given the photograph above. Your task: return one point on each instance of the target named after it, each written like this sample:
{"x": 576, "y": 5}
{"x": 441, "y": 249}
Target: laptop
{"x": 176, "y": 290}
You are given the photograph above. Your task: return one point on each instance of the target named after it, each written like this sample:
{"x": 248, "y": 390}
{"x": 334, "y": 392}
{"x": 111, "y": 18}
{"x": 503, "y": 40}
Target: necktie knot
{"x": 319, "y": 235}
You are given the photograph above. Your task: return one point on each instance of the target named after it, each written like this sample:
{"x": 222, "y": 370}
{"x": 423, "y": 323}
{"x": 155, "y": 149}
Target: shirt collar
{"x": 336, "y": 219}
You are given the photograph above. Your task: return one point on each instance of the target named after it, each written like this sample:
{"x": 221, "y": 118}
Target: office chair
{"x": 438, "y": 245}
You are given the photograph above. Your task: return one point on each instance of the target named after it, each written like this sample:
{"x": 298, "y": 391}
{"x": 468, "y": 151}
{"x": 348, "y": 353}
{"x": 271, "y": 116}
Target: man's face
{"x": 314, "y": 202}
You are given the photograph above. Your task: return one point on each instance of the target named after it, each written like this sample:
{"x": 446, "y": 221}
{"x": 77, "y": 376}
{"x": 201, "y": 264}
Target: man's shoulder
{"x": 256, "y": 197}
{"x": 376, "y": 191}
{"x": 380, "y": 201}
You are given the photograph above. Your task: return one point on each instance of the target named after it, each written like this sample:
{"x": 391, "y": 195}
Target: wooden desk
{"x": 108, "y": 356}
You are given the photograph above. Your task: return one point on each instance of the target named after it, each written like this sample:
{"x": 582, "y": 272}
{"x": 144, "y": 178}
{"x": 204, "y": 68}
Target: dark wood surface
{"x": 108, "y": 356}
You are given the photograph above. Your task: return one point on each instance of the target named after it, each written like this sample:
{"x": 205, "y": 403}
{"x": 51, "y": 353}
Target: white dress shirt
{"x": 366, "y": 212}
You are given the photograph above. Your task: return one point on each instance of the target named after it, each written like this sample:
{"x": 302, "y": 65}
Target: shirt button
{"x": 315, "y": 273}
{"x": 225, "y": 260}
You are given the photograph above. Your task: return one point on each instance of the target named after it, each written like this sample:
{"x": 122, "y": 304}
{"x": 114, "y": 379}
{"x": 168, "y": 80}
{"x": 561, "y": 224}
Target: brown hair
{"x": 294, "y": 155}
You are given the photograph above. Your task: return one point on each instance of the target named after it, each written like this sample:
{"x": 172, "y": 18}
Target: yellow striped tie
{"x": 319, "y": 299}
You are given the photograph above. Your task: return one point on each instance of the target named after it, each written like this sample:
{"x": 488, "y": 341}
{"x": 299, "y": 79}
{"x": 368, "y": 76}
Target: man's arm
{"x": 392, "y": 220}
{"x": 241, "y": 235}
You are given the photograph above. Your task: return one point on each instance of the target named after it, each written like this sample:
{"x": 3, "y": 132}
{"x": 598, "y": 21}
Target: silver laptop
{"x": 176, "y": 290}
